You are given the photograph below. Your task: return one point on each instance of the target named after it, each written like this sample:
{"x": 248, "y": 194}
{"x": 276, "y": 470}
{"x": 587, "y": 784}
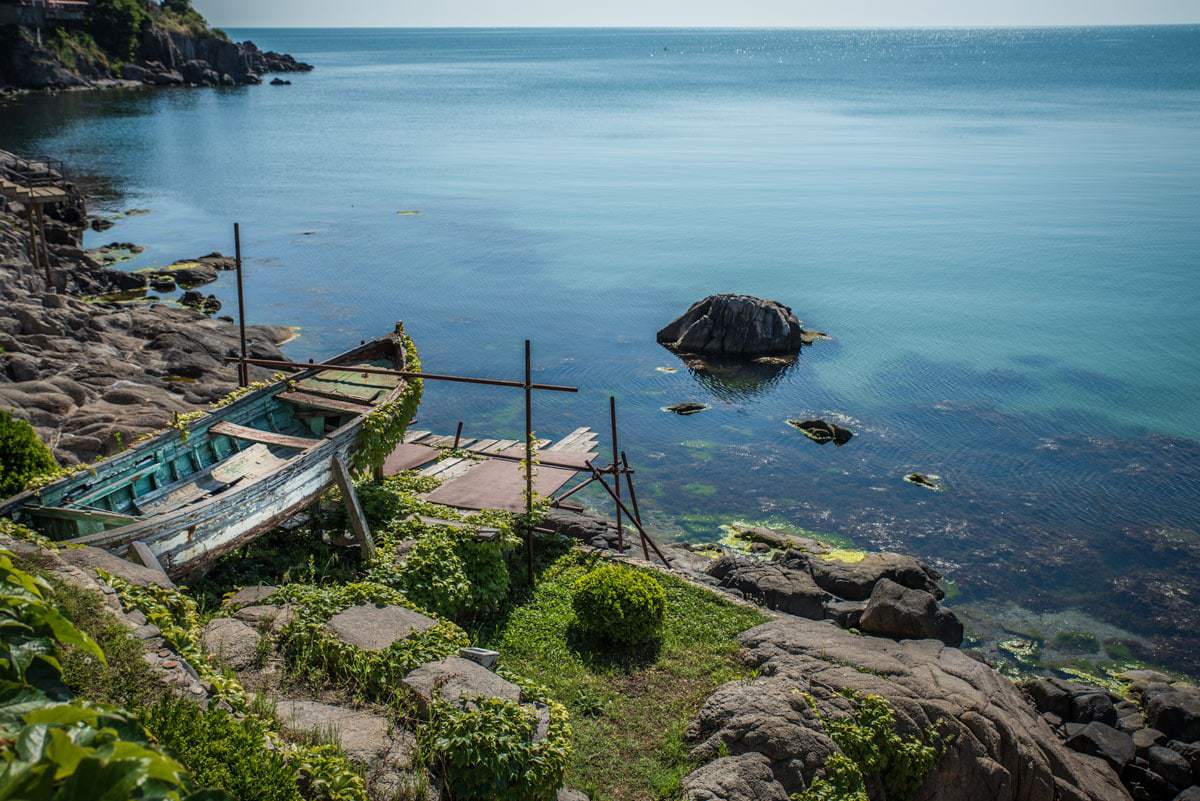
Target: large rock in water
{"x": 1000, "y": 748}
{"x": 734, "y": 326}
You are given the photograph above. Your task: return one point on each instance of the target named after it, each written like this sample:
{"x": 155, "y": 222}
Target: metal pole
{"x": 529, "y": 461}
{"x": 458, "y": 435}
{"x": 492, "y": 382}
{"x": 243, "y": 367}
{"x": 612, "y": 414}
{"x": 608, "y": 489}
{"x": 637, "y": 513}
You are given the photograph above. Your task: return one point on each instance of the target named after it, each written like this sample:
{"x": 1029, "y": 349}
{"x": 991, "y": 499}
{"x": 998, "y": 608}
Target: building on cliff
{"x": 39, "y": 14}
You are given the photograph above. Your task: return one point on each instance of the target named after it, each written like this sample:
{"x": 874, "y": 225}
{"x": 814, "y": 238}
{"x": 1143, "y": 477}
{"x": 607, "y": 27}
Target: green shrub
{"x": 485, "y": 750}
{"x": 116, "y": 25}
{"x": 23, "y": 457}
{"x": 619, "y": 605}
{"x": 454, "y": 575}
{"x": 384, "y": 427}
{"x": 222, "y": 751}
{"x": 871, "y": 746}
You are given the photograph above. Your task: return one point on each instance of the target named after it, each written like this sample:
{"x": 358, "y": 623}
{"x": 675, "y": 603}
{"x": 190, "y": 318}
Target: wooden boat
{"x": 190, "y": 496}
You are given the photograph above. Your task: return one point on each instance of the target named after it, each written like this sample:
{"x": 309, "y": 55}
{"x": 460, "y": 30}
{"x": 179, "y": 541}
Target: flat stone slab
{"x": 453, "y": 678}
{"x": 231, "y": 641}
{"x": 248, "y": 596}
{"x": 374, "y": 628}
{"x": 89, "y": 558}
{"x": 268, "y": 616}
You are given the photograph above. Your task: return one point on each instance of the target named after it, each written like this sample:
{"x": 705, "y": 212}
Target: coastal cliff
{"x": 129, "y": 44}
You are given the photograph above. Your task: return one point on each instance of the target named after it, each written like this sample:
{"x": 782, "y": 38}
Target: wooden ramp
{"x": 486, "y": 473}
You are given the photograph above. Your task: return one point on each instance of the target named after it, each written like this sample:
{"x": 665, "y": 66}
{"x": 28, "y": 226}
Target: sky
{"x": 694, "y": 13}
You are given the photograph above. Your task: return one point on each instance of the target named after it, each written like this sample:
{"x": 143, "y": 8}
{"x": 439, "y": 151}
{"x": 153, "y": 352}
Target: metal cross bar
{"x": 495, "y": 382}
{"x": 596, "y": 475}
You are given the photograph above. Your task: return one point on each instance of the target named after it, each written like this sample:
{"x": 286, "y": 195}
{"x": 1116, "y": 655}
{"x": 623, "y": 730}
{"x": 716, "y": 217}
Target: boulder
{"x": 1176, "y": 713}
{"x": 854, "y": 579}
{"x": 1190, "y": 752}
{"x": 686, "y": 408}
{"x": 746, "y": 777}
{"x": 1097, "y": 739}
{"x": 1093, "y": 706}
{"x": 1145, "y": 739}
{"x": 135, "y": 72}
{"x": 454, "y": 678}
{"x": 253, "y": 594}
{"x": 374, "y": 628}
{"x": 999, "y": 748}
{"x": 199, "y": 72}
{"x": 280, "y": 82}
{"x": 1190, "y": 794}
{"x": 897, "y": 611}
{"x": 273, "y": 618}
{"x": 231, "y": 641}
{"x": 734, "y": 326}
{"x": 89, "y": 558}
{"x": 1170, "y": 765}
{"x": 1144, "y": 784}
{"x": 822, "y": 432}
{"x": 772, "y": 585}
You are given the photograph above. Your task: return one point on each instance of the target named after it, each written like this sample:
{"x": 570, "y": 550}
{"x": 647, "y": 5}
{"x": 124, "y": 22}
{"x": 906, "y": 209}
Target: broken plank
{"x": 358, "y": 520}
{"x": 142, "y": 554}
{"x": 310, "y": 401}
{"x": 266, "y": 437}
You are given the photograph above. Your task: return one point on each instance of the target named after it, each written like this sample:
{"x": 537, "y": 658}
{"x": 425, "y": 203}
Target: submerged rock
{"x": 929, "y": 482}
{"x": 687, "y": 408}
{"x": 737, "y": 326}
{"x": 822, "y": 432}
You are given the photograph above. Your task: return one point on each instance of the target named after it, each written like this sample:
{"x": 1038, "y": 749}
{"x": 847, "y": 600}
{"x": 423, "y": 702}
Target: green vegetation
{"x": 871, "y": 747}
{"x": 384, "y": 427}
{"x": 485, "y": 751}
{"x": 61, "y": 748}
{"x": 319, "y": 656}
{"x": 115, "y": 25}
{"x": 76, "y": 49}
{"x": 619, "y": 606}
{"x": 454, "y": 575}
{"x": 628, "y": 714}
{"x": 23, "y": 457}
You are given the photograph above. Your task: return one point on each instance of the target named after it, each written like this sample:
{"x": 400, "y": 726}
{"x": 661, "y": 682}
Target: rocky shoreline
{"x": 853, "y": 623}
{"x": 93, "y": 374}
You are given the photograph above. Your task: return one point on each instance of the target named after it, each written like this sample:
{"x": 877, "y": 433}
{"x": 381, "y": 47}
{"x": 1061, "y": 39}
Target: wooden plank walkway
{"x": 480, "y": 478}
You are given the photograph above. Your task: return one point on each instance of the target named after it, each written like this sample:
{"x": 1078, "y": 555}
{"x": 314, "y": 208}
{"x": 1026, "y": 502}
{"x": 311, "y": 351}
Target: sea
{"x": 998, "y": 229}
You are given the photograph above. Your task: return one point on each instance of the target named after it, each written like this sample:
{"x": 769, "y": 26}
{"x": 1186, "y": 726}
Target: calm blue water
{"x": 1000, "y": 229}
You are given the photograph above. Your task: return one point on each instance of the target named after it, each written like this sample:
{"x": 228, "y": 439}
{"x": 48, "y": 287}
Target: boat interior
{"x": 233, "y": 446}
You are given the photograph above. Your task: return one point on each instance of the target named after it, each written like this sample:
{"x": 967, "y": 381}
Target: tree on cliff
{"x": 116, "y": 24}
{"x": 22, "y": 455}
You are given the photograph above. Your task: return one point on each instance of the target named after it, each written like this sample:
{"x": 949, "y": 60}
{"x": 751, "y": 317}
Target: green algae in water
{"x": 848, "y": 555}
{"x": 1027, "y": 653}
{"x": 1079, "y": 642}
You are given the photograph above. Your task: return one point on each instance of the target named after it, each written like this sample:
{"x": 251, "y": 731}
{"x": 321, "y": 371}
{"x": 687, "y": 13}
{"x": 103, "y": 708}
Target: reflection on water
{"x": 733, "y": 381}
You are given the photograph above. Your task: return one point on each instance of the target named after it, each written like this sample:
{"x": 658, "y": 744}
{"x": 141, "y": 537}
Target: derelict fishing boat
{"x": 189, "y": 496}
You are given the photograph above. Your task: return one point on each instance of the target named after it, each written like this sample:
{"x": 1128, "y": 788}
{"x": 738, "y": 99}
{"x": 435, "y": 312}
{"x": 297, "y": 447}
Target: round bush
{"x": 620, "y": 605}
{"x": 22, "y": 455}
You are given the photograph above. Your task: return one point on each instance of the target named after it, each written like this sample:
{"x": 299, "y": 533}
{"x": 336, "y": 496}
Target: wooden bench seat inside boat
{"x": 350, "y": 385}
{"x": 243, "y": 466}
{"x": 266, "y": 437}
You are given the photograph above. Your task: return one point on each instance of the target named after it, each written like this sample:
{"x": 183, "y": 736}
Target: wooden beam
{"x": 310, "y": 401}
{"x": 358, "y": 520}
{"x": 266, "y": 437}
{"x": 146, "y": 556}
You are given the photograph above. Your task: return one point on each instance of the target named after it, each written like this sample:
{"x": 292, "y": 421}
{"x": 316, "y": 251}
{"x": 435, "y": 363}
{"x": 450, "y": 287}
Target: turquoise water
{"x": 1000, "y": 229}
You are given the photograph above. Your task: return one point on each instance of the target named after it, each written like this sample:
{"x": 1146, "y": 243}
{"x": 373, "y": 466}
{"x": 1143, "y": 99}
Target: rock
{"x": 280, "y": 82}
{"x": 374, "y": 628}
{"x": 1176, "y": 713}
{"x": 273, "y": 618}
{"x": 897, "y": 611}
{"x": 772, "y": 585}
{"x": 1098, "y": 739}
{"x": 91, "y": 559}
{"x": 253, "y": 594}
{"x": 134, "y": 72}
{"x": 571, "y": 795}
{"x": 922, "y": 480}
{"x": 1170, "y": 765}
{"x": 737, "y": 326}
{"x": 1190, "y": 752}
{"x": 1190, "y": 794}
{"x": 1094, "y": 706}
{"x": 746, "y": 777}
{"x": 168, "y": 78}
{"x": 1132, "y": 723}
{"x": 101, "y": 224}
{"x": 1000, "y": 750}
{"x": 454, "y": 677}
{"x": 846, "y": 614}
{"x": 687, "y": 408}
{"x": 1144, "y": 784}
{"x": 200, "y": 73}
{"x": 192, "y": 298}
{"x": 854, "y": 580}
{"x": 1145, "y": 739}
{"x": 21, "y": 367}
{"x": 231, "y": 641}
{"x": 162, "y": 283}
{"x": 821, "y": 432}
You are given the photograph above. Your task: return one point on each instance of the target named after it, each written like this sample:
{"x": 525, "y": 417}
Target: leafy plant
{"x": 871, "y": 746}
{"x": 452, "y": 573}
{"x": 619, "y": 605}
{"x": 384, "y": 427}
{"x": 23, "y": 457}
{"x": 484, "y": 749}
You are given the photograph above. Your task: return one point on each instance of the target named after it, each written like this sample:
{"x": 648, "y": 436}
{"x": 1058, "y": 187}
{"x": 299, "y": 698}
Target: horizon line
{"x": 1025, "y": 26}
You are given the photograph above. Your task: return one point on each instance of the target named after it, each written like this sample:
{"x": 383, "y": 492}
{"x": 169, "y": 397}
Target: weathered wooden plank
{"x": 408, "y": 456}
{"x": 89, "y": 515}
{"x": 266, "y": 437}
{"x": 142, "y": 553}
{"x": 358, "y": 520}
{"x": 309, "y": 401}
{"x": 330, "y": 392}
{"x": 415, "y": 436}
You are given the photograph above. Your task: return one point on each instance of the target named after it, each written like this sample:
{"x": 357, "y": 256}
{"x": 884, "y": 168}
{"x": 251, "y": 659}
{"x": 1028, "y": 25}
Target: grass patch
{"x": 628, "y": 714}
